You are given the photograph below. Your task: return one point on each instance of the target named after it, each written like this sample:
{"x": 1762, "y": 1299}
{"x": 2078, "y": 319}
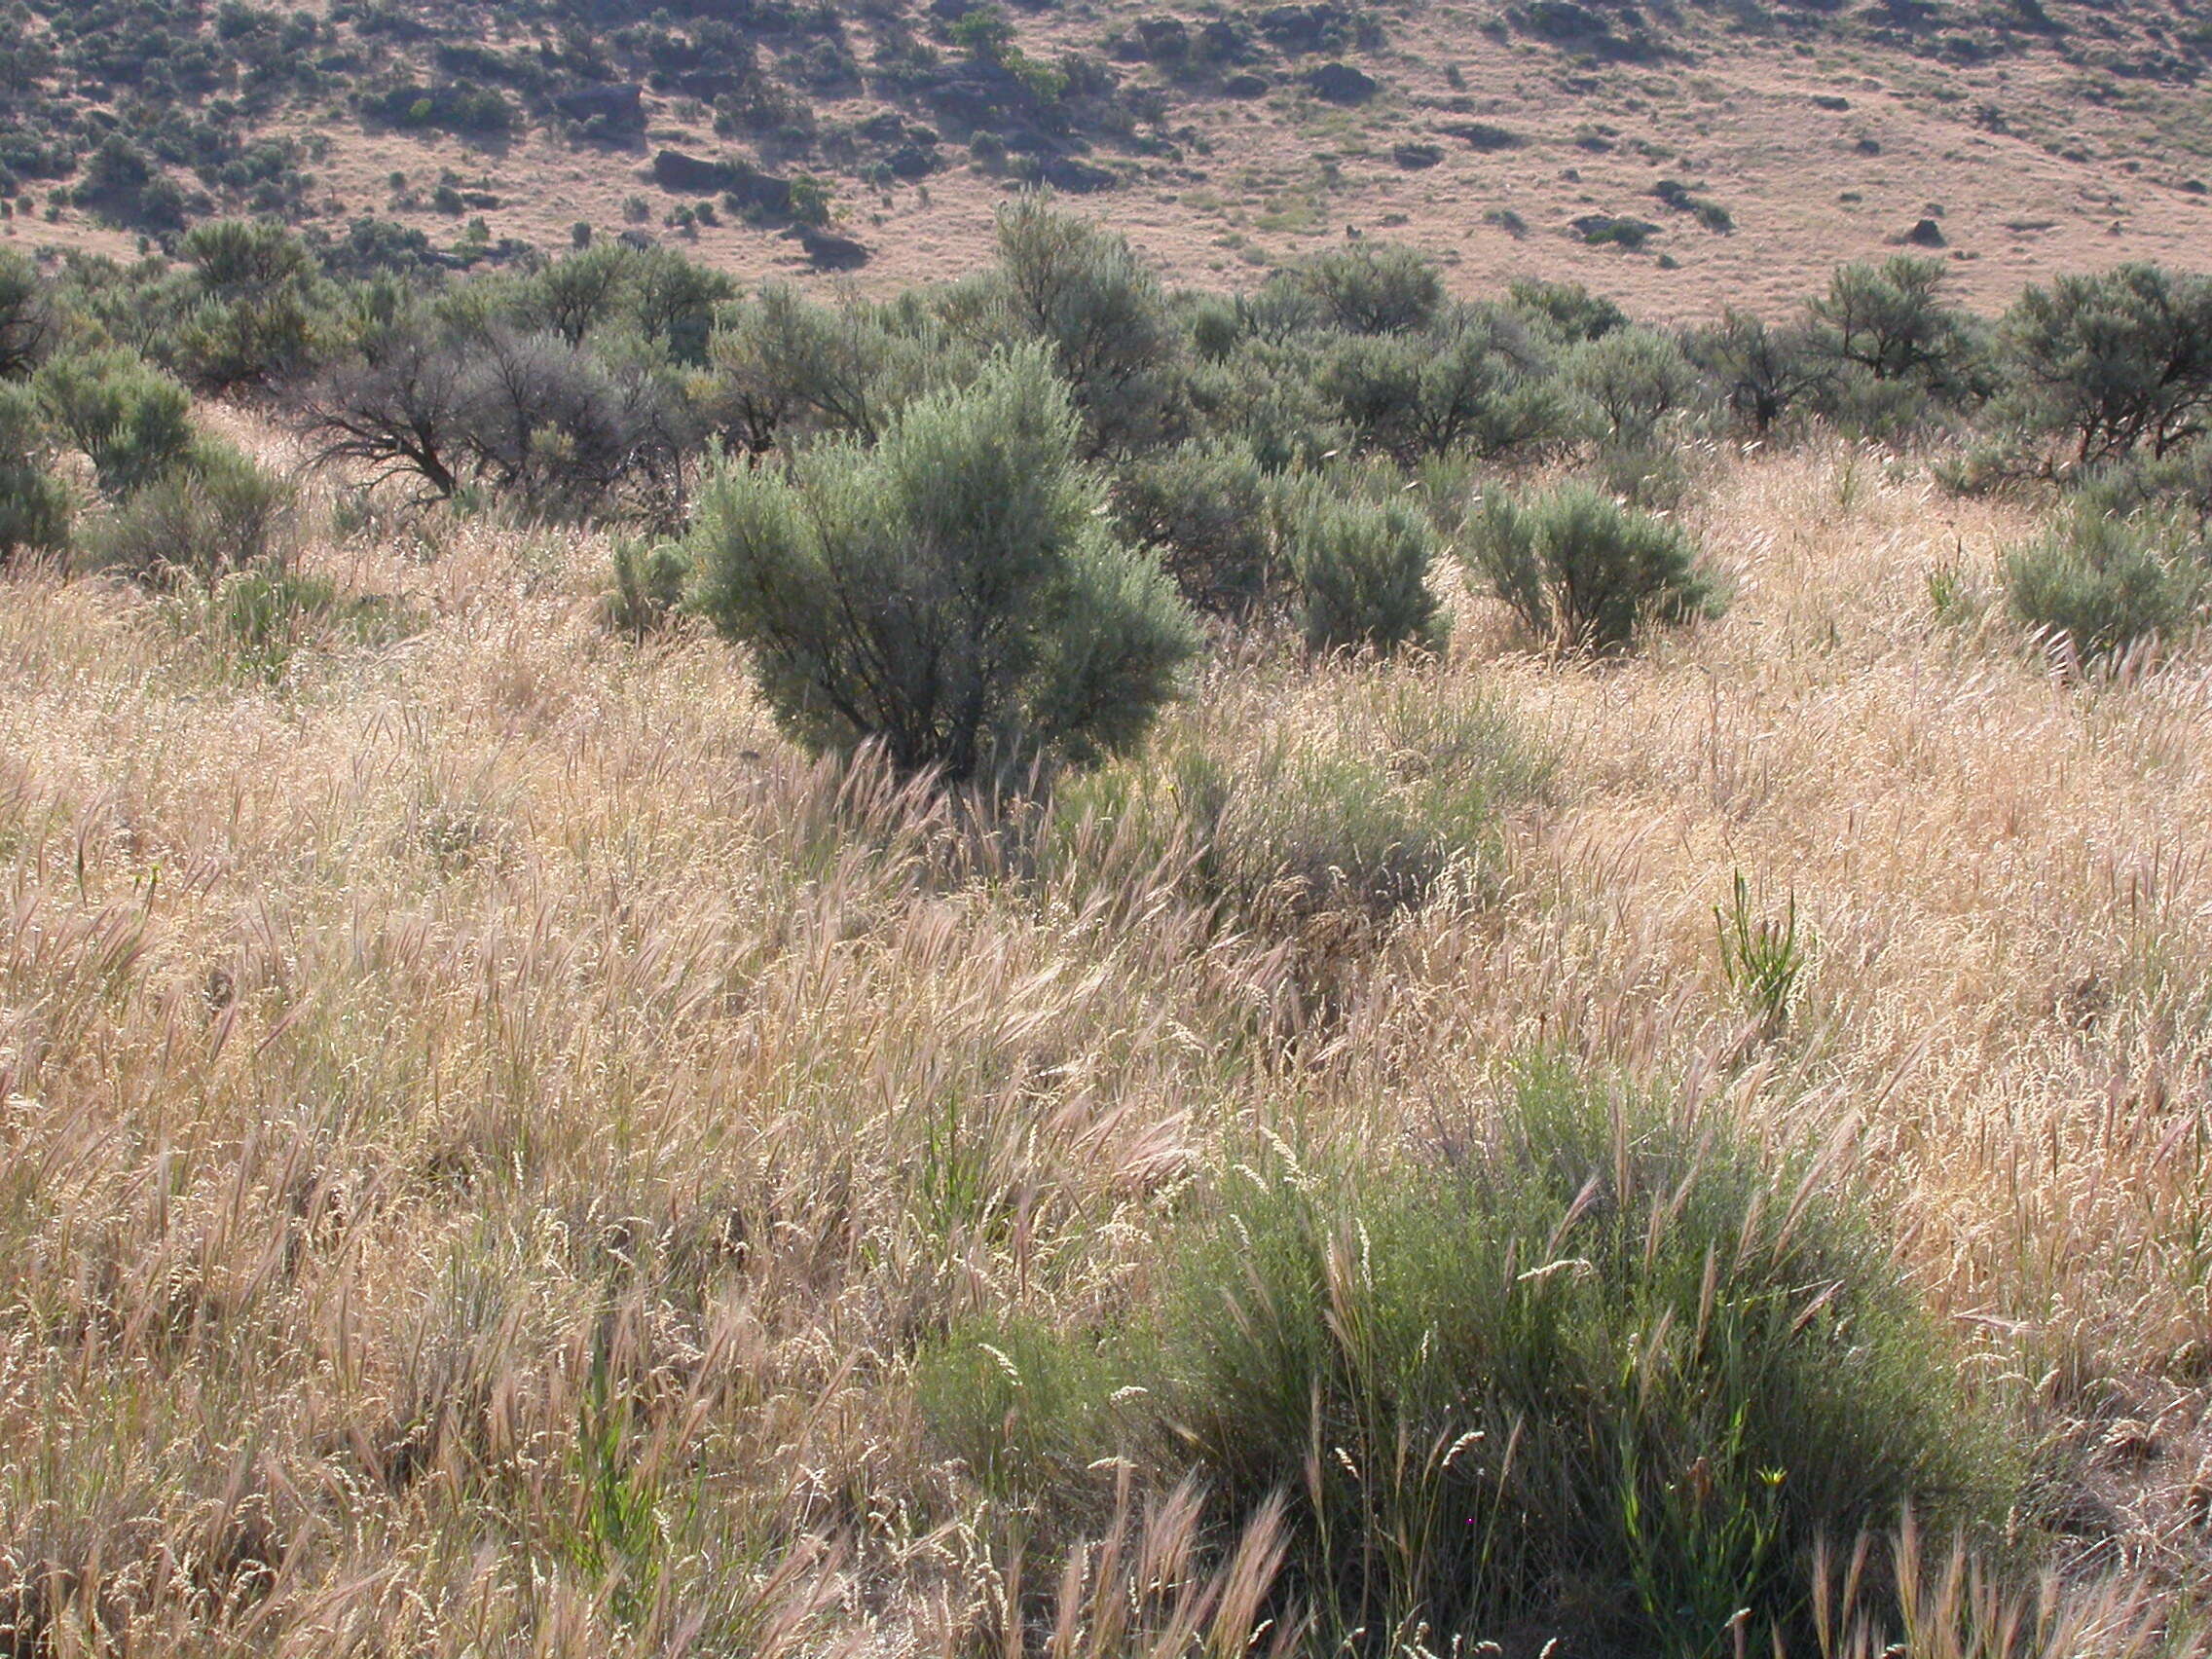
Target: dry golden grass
{"x": 487, "y": 1124}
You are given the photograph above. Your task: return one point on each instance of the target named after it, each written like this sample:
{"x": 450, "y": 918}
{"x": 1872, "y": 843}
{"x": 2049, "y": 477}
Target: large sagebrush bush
{"x": 952, "y": 594}
{"x": 1205, "y": 506}
{"x": 2111, "y": 364}
{"x": 133, "y": 422}
{"x": 1581, "y": 571}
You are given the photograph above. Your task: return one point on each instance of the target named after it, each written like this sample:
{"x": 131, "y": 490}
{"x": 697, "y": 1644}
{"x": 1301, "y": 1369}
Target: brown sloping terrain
{"x": 1747, "y": 148}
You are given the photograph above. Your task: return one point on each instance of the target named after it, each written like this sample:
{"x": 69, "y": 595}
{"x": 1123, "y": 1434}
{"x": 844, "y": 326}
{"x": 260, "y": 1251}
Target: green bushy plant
{"x": 256, "y": 621}
{"x": 1360, "y": 571}
{"x": 1370, "y": 815}
{"x": 2101, "y": 583}
{"x": 952, "y": 594}
{"x": 2111, "y": 364}
{"x": 1592, "y": 1370}
{"x": 1205, "y": 506}
{"x": 1473, "y": 381}
{"x": 132, "y": 421}
{"x": 1568, "y": 311}
{"x": 1582, "y": 571}
{"x": 1373, "y": 288}
{"x": 650, "y": 581}
{"x": 1629, "y": 380}
{"x": 1025, "y": 1411}
{"x": 35, "y": 507}
{"x": 201, "y": 521}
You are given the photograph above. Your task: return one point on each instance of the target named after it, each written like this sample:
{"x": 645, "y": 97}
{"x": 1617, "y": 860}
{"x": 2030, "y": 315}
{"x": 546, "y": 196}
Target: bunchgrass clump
{"x": 1400, "y": 797}
{"x": 215, "y": 514}
{"x": 1592, "y": 1369}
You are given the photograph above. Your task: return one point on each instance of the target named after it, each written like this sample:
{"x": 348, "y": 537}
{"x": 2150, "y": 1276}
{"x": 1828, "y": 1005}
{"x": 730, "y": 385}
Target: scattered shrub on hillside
{"x": 1205, "y": 507}
{"x": 952, "y": 594}
{"x": 200, "y": 522}
{"x": 1082, "y": 290}
{"x": 1472, "y": 381}
{"x": 1583, "y": 572}
{"x": 1360, "y": 571}
{"x": 1569, "y": 311}
{"x": 2098, "y": 584}
{"x": 26, "y": 318}
{"x": 1630, "y": 380}
{"x": 1593, "y": 1370}
{"x": 1766, "y": 373}
{"x": 1891, "y": 322}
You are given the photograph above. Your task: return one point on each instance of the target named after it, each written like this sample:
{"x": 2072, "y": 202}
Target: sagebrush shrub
{"x": 1582, "y": 571}
{"x": 2102, "y": 584}
{"x": 132, "y": 421}
{"x": 202, "y": 520}
{"x": 1360, "y": 573}
{"x": 1629, "y": 380}
{"x": 952, "y": 594}
{"x": 2111, "y": 364}
{"x": 35, "y": 507}
{"x": 1205, "y": 507}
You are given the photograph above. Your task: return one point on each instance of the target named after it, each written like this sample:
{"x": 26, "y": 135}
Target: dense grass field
{"x": 504, "y": 1153}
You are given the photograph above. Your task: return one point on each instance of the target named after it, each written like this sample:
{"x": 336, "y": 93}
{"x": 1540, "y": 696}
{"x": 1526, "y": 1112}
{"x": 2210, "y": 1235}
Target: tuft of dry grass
{"x": 488, "y": 1128}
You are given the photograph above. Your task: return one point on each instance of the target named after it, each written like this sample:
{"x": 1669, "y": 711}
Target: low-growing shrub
{"x": 1359, "y": 571}
{"x": 1363, "y": 817}
{"x": 1583, "y": 572}
{"x": 1651, "y": 474}
{"x": 1023, "y": 1410}
{"x": 649, "y": 579}
{"x": 1630, "y": 380}
{"x": 35, "y": 507}
{"x": 2100, "y": 585}
{"x": 132, "y": 422}
{"x": 255, "y": 622}
{"x": 200, "y": 522}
